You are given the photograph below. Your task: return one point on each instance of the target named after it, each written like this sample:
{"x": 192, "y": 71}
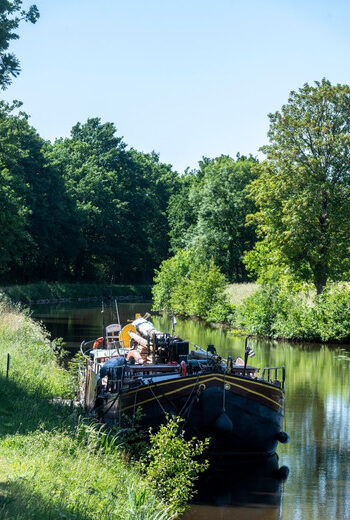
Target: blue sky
{"x": 184, "y": 78}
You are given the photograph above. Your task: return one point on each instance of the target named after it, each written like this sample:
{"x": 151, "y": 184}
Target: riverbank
{"x": 279, "y": 310}
{"x": 295, "y": 312}
{"x": 54, "y": 292}
{"x": 54, "y": 463}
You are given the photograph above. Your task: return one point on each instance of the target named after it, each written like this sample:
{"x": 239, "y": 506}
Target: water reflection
{"x": 239, "y": 489}
{"x": 78, "y": 321}
{"x": 317, "y": 417}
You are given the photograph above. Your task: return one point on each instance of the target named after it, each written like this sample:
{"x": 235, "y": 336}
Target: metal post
{"x": 8, "y": 365}
{"x": 248, "y": 351}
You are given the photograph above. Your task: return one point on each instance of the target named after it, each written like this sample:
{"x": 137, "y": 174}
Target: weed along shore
{"x": 57, "y": 463}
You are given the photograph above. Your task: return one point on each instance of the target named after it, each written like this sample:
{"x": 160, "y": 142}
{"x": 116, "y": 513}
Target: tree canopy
{"x": 11, "y": 14}
{"x": 208, "y": 213}
{"x": 303, "y": 190}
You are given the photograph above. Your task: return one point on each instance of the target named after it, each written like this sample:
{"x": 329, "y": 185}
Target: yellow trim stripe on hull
{"x": 227, "y": 376}
{"x": 204, "y": 380}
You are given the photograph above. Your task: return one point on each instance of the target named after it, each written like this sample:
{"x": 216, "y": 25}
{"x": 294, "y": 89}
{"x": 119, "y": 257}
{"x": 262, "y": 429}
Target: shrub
{"x": 281, "y": 310}
{"x": 192, "y": 286}
{"x": 172, "y": 464}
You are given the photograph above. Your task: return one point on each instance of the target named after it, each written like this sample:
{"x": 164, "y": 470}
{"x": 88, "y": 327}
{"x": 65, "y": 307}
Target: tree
{"x": 303, "y": 190}
{"x": 182, "y": 214}
{"x": 153, "y": 183}
{"x": 209, "y": 212}
{"x": 35, "y": 210}
{"x": 191, "y": 284}
{"x": 120, "y": 198}
{"x": 92, "y": 165}
{"x": 11, "y": 14}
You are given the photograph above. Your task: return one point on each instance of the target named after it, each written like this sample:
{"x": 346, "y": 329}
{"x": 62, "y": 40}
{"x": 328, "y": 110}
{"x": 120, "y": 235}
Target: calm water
{"x": 317, "y": 418}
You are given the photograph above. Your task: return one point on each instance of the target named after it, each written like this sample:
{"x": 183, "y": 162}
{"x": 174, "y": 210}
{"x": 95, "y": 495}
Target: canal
{"x": 317, "y": 418}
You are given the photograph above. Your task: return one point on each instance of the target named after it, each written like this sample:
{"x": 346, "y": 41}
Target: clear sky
{"x": 183, "y": 78}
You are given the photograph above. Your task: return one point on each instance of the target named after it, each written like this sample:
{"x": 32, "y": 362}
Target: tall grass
{"x": 52, "y": 464}
{"x": 238, "y": 292}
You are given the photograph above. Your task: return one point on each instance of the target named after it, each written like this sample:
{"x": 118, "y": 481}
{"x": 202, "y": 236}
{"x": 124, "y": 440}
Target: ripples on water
{"x": 317, "y": 417}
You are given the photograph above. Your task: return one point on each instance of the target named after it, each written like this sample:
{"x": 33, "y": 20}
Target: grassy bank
{"x": 53, "y": 464}
{"x": 59, "y": 290}
{"x": 289, "y": 311}
{"x": 238, "y": 292}
{"x": 282, "y": 310}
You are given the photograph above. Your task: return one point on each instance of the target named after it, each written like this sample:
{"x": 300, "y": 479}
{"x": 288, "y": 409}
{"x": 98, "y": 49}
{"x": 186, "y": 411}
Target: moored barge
{"x": 240, "y": 407}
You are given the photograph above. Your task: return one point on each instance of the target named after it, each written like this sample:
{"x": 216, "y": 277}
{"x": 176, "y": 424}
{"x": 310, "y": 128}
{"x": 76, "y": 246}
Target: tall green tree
{"x": 181, "y": 211}
{"x": 303, "y": 190}
{"x": 14, "y": 236}
{"x": 120, "y": 198}
{"x": 209, "y": 212}
{"x": 34, "y": 205}
{"x": 91, "y": 162}
{"x": 153, "y": 183}
{"x": 11, "y": 14}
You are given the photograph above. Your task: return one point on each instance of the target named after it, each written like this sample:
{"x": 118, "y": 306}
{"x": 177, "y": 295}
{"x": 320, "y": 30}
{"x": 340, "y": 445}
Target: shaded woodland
{"x": 89, "y": 207}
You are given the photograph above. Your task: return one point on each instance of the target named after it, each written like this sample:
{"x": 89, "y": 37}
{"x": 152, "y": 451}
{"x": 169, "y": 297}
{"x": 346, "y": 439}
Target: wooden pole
{"x": 8, "y": 365}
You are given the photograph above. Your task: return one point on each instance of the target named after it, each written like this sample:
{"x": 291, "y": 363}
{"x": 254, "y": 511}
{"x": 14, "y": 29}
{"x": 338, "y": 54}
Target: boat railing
{"x": 274, "y": 375}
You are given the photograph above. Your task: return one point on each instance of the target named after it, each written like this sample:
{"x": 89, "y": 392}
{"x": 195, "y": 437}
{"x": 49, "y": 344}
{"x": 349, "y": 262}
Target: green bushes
{"x": 190, "y": 285}
{"x": 281, "y": 310}
{"x": 34, "y": 367}
{"x": 172, "y": 466}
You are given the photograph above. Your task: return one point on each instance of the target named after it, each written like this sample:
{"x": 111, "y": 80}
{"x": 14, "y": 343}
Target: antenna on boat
{"x": 173, "y": 323}
{"x": 117, "y": 310}
{"x": 248, "y": 352}
{"x": 103, "y": 322}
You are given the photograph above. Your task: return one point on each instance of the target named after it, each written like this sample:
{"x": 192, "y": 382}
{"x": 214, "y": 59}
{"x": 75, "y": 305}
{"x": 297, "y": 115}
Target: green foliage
{"x": 181, "y": 211}
{"x": 303, "y": 188}
{"x": 36, "y": 212}
{"x": 172, "y": 464}
{"x": 208, "y": 213}
{"x": 192, "y": 286}
{"x": 11, "y": 14}
{"x": 83, "y": 208}
{"x": 54, "y": 474}
{"x": 120, "y": 200}
{"x": 33, "y": 361}
{"x": 281, "y": 310}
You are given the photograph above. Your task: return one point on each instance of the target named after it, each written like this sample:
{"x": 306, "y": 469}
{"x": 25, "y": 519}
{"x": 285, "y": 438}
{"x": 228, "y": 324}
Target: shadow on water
{"x": 78, "y": 321}
{"x": 241, "y": 489}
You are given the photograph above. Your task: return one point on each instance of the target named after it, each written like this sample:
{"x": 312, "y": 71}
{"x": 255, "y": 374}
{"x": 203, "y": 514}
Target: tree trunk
{"x": 320, "y": 285}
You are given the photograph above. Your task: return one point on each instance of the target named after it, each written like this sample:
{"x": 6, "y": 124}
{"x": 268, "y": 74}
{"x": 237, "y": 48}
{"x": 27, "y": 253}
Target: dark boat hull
{"x": 240, "y": 414}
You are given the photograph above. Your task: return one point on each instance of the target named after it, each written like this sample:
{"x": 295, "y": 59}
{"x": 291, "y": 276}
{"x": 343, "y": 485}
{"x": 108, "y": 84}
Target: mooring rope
{"x": 160, "y": 404}
{"x": 134, "y": 411}
{"x": 189, "y": 397}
